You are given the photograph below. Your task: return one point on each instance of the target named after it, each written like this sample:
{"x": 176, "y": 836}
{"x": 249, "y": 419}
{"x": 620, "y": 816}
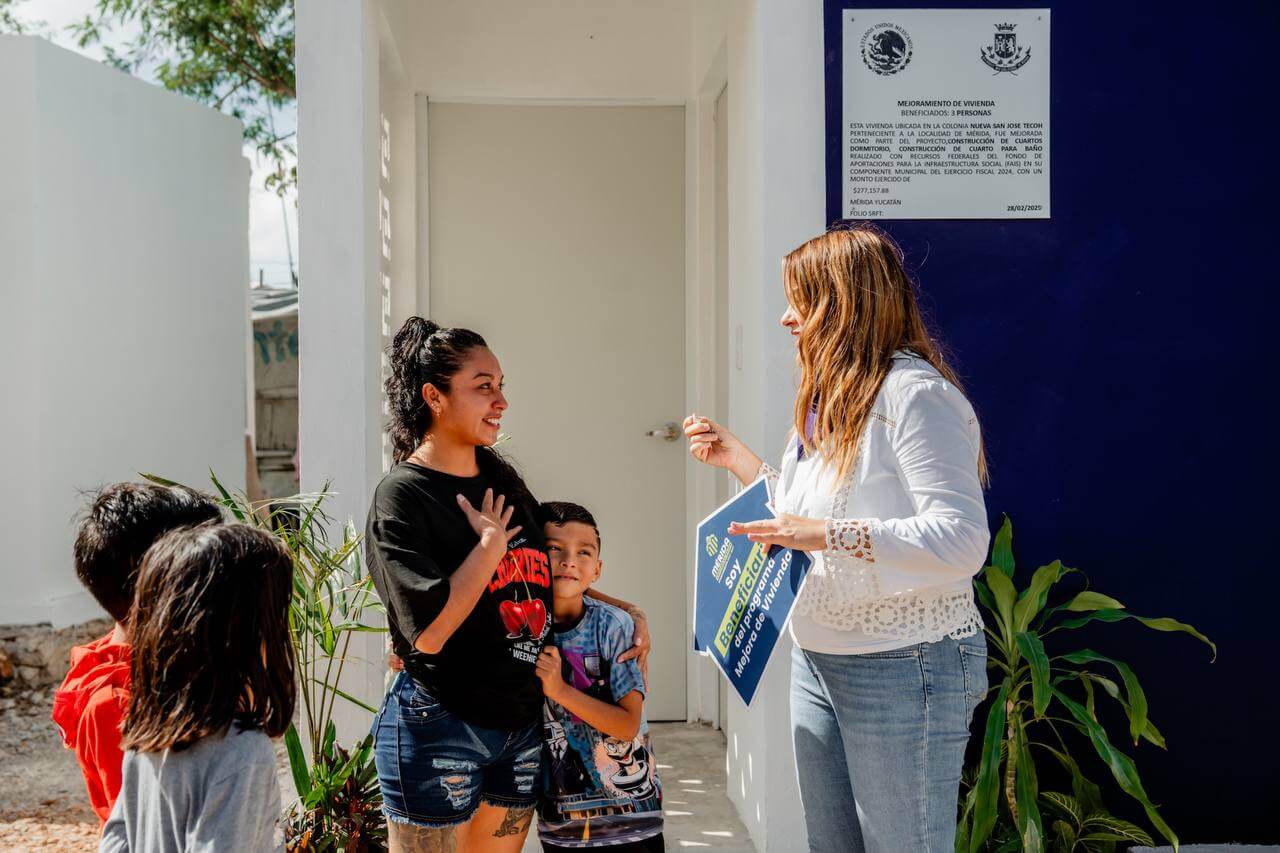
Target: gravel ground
{"x": 43, "y": 805}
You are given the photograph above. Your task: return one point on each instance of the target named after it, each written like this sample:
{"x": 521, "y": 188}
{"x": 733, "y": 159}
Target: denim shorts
{"x": 435, "y": 769}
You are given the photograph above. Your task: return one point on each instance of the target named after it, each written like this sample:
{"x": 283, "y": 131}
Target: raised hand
{"x": 711, "y": 443}
{"x": 491, "y": 519}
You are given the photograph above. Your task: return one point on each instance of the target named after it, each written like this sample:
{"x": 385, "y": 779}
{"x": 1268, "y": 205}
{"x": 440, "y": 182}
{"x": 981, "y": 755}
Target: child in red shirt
{"x": 89, "y": 708}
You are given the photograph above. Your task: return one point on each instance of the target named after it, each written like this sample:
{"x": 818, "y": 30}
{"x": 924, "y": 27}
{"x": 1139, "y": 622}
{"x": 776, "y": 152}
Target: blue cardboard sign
{"x": 744, "y": 591}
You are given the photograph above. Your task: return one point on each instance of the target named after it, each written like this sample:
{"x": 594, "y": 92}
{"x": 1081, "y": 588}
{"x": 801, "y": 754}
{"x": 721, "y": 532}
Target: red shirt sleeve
{"x": 98, "y": 749}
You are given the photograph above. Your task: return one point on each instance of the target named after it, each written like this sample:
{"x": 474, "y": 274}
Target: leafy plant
{"x": 1041, "y": 701}
{"x": 236, "y": 57}
{"x": 342, "y": 807}
{"x": 11, "y": 23}
{"x": 339, "y": 804}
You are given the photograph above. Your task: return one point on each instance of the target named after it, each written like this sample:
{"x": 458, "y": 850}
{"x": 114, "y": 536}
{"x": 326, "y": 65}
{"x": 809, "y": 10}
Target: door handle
{"x": 670, "y": 432}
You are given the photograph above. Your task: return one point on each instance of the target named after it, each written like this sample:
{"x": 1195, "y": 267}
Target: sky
{"x": 273, "y": 231}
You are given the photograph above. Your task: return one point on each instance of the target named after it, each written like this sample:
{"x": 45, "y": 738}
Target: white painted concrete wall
{"x": 123, "y": 263}
{"x": 340, "y": 300}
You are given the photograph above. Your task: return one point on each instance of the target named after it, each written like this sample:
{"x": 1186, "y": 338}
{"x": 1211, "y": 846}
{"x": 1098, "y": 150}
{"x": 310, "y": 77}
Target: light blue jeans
{"x": 880, "y": 742}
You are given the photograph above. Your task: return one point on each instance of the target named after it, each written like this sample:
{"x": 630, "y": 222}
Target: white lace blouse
{"x": 906, "y": 528}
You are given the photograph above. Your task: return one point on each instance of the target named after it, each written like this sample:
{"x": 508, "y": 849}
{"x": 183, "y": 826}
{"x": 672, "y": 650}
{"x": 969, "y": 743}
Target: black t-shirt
{"x": 416, "y": 537}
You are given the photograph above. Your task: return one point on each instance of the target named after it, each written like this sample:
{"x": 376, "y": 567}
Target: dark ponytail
{"x": 421, "y": 353}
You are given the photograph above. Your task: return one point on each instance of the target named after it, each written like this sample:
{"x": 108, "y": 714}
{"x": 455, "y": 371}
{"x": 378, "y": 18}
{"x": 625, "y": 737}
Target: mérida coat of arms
{"x": 1004, "y": 53}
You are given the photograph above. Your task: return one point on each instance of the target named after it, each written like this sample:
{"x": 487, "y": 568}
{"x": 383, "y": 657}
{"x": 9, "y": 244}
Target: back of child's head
{"x": 561, "y": 513}
{"x": 120, "y": 524}
{"x": 210, "y": 635}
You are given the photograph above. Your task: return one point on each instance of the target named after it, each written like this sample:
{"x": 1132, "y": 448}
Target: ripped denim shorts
{"x": 434, "y": 769}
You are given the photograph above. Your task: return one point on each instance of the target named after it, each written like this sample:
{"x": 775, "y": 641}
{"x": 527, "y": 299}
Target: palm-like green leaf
{"x": 987, "y": 785}
{"x": 1002, "y": 548}
{"x": 1162, "y": 623}
{"x": 1136, "y": 700}
{"x": 1005, "y": 595}
{"x": 1033, "y": 650}
{"x": 1121, "y": 766}
{"x": 1032, "y": 599}
{"x": 1026, "y": 792}
{"x": 1089, "y": 600}
{"x": 297, "y": 761}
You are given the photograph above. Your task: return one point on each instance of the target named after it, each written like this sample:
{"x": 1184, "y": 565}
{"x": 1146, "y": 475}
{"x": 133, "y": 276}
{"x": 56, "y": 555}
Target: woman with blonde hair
{"x": 881, "y": 483}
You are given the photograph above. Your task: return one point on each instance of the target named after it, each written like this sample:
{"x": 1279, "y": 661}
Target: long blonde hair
{"x": 857, "y": 307}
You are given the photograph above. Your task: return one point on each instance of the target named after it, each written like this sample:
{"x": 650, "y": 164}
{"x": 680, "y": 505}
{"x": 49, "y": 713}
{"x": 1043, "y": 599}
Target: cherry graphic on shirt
{"x": 517, "y": 616}
{"x": 512, "y": 617}
{"x": 535, "y": 616}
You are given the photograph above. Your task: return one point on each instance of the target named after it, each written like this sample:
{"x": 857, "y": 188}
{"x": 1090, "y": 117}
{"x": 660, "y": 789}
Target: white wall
{"x": 123, "y": 260}
{"x": 609, "y": 50}
{"x": 340, "y": 300}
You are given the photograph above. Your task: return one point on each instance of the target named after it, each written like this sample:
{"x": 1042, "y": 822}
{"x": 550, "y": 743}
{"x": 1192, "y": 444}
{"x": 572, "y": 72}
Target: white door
{"x": 557, "y": 233}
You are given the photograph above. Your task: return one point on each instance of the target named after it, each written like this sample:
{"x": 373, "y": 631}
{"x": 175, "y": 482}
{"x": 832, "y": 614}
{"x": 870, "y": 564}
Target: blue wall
{"x": 1121, "y": 356}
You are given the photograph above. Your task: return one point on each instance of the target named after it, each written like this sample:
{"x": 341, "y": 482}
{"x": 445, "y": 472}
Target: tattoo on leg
{"x": 410, "y": 838}
{"x": 515, "y": 822}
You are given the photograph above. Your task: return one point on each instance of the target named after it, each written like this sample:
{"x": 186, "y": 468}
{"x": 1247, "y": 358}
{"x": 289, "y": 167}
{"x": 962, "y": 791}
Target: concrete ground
{"x": 698, "y": 813}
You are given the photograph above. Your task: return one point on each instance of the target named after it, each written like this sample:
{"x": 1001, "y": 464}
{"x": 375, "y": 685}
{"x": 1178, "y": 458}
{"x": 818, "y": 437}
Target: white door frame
{"x": 701, "y": 344}
{"x": 701, "y": 676}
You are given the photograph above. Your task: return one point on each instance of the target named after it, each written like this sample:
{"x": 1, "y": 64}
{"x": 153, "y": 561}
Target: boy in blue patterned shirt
{"x": 602, "y": 787}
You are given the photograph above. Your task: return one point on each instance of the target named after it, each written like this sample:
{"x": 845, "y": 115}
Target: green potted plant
{"x": 1044, "y": 706}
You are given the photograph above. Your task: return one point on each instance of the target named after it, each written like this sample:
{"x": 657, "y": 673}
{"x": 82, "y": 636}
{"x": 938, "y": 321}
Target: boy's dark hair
{"x": 563, "y": 512}
{"x": 119, "y": 526}
{"x": 210, "y": 636}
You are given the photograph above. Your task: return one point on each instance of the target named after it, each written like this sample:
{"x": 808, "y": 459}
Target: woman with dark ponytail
{"x": 459, "y": 561}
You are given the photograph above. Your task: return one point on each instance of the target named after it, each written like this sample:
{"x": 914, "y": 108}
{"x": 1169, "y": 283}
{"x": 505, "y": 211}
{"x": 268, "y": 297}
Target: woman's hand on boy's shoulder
{"x": 640, "y": 644}
{"x": 548, "y": 670}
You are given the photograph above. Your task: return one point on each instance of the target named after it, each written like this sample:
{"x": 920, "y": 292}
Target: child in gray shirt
{"x": 213, "y": 682}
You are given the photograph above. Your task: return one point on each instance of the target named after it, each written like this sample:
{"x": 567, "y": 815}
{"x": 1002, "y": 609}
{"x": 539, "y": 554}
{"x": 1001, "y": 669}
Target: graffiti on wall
{"x": 276, "y": 342}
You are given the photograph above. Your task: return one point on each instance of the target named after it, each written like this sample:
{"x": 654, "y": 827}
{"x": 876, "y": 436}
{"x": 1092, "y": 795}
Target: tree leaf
{"x": 987, "y": 785}
{"x": 1033, "y": 597}
{"x": 345, "y": 695}
{"x": 965, "y": 821}
{"x": 1149, "y": 731}
{"x": 983, "y": 593}
{"x": 1089, "y": 600}
{"x": 1121, "y": 766}
{"x": 1162, "y": 623}
{"x": 1025, "y": 793}
{"x": 1002, "y": 548}
{"x": 1005, "y": 594}
{"x": 1033, "y": 650}
{"x": 1086, "y": 793}
{"x": 1065, "y": 804}
{"x": 227, "y": 501}
{"x": 1122, "y": 829}
{"x": 160, "y": 481}
{"x": 1137, "y": 699}
{"x": 297, "y": 761}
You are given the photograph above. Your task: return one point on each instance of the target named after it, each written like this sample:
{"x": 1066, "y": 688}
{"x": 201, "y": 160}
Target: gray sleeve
{"x": 114, "y": 838}
{"x": 115, "y": 835}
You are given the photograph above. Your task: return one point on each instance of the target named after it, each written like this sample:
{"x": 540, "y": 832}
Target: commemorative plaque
{"x": 945, "y": 114}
